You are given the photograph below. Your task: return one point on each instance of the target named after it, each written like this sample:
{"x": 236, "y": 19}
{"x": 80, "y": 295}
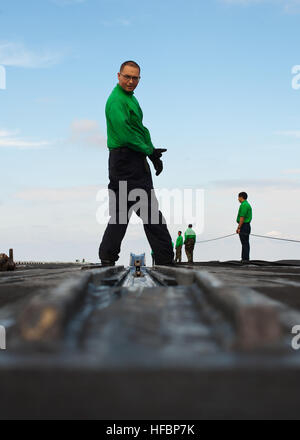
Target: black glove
{"x": 157, "y": 153}
{"x": 155, "y": 159}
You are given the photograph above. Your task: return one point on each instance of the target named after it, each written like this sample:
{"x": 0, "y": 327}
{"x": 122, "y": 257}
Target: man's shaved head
{"x": 131, "y": 64}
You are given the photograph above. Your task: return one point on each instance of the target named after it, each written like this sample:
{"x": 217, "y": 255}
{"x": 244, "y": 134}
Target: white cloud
{"x": 292, "y": 171}
{"x": 290, "y": 133}
{"x": 4, "y": 133}
{"x": 45, "y": 100}
{"x": 60, "y": 224}
{"x": 275, "y": 234}
{"x": 58, "y": 194}
{"x": 17, "y": 55}
{"x": 68, "y": 2}
{"x": 57, "y": 224}
{"x": 258, "y": 184}
{"x": 289, "y": 6}
{"x": 292, "y": 6}
{"x": 117, "y": 22}
{"x": 9, "y": 139}
{"x": 244, "y": 2}
{"x": 86, "y": 132}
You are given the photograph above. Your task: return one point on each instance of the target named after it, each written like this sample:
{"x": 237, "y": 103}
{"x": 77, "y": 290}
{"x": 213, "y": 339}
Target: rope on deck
{"x": 253, "y": 235}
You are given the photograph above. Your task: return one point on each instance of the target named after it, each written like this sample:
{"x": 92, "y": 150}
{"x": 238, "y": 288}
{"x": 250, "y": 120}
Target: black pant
{"x": 245, "y": 240}
{"x": 133, "y": 168}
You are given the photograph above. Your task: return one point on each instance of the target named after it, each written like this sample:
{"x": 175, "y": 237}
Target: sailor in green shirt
{"x": 244, "y": 219}
{"x": 129, "y": 143}
{"x": 190, "y": 241}
{"x": 179, "y": 244}
{"x": 125, "y": 123}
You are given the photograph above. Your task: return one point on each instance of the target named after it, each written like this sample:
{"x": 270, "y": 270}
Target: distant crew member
{"x": 190, "y": 241}
{"x": 244, "y": 229}
{"x": 179, "y": 244}
{"x": 129, "y": 143}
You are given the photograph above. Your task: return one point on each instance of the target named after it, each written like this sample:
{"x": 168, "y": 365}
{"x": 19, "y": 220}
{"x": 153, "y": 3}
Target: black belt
{"x": 131, "y": 150}
{"x": 120, "y": 149}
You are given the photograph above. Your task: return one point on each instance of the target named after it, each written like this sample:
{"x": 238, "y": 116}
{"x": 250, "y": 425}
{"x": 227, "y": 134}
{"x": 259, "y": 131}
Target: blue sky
{"x": 216, "y": 91}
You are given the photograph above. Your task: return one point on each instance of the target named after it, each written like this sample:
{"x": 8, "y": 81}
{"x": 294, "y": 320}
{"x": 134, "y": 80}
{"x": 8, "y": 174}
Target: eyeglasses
{"x": 134, "y": 78}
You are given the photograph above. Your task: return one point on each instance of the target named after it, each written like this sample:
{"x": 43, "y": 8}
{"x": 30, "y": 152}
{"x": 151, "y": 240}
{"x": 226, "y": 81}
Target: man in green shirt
{"x": 244, "y": 219}
{"x": 179, "y": 244}
{"x": 190, "y": 241}
{"x": 129, "y": 144}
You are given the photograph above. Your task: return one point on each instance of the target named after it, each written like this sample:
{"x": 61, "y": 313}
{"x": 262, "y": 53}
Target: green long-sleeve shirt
{"x": 179, "y": 241}
{"x": 124, "y": 119}
{"x": 190, "y": 233}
